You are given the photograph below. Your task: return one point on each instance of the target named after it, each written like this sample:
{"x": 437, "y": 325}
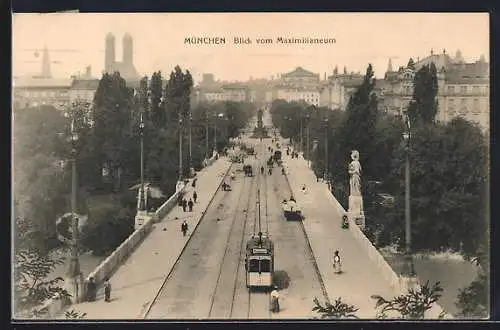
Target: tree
{"x": 112, "y": 112}
{"x": 411, "y": 305}
{"x": 177, "y": 94}
{"x": 32, "y": 286}
{"x": 337, "y": 310}
{"x": 39, "y": 181}
{"x": 473, "y": 301}
{"x": 449, "y": 183}
{"x": 158, "y": 115}
{"x": 358, "y": 132}
{"x": 423, "y": 106}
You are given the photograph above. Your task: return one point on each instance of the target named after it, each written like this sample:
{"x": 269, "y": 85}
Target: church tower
{"x": 128, "y": 49}
{"x": 110, "y": 55}
{"x": 389, "y": 65}
{"x": 46, "y": 73}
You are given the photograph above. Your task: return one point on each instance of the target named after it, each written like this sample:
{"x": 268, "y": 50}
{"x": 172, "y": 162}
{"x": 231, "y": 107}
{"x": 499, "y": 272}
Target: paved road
{"x": 209, "y": 279}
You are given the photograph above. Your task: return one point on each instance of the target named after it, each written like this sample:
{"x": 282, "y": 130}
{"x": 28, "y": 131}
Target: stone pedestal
{"x": 140, "y": 218}
{"x": 75, "y": 287}
{"x": 355, "y": 212}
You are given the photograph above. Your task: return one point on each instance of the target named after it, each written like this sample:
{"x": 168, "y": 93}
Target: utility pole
{"x": 191, "y": 170}
{"x": 408, "y": 267}
{"x": 206, "y": 134}
{"x": 180, "y": 148}
{"x": 325, "y": 174}
{"x": 142, "y": 204}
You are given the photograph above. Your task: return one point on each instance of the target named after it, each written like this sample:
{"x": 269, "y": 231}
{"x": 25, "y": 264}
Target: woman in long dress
{"x": 337, "y": 263}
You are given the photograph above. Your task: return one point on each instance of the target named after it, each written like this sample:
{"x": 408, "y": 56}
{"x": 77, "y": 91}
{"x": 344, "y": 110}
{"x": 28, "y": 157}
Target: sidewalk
{"x": 322, "y": 221}
{"x": 137, "y": 281}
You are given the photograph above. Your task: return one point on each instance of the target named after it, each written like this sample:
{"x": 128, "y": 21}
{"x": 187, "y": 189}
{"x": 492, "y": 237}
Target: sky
{"x": 360, "y": 38}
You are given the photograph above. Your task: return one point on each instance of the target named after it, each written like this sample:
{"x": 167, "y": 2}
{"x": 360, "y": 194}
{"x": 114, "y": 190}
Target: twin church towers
{"x": 126, "y": 66}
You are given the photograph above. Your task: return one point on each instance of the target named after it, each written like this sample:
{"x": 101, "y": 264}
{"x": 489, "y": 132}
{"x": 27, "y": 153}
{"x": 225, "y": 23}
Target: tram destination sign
{"x": 259, "y": 250}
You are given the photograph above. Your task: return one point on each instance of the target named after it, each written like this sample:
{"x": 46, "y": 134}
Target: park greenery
{"x": 108, "y": 165}
{"x": 411, "y": 305}
{"x": 449, "y": 168}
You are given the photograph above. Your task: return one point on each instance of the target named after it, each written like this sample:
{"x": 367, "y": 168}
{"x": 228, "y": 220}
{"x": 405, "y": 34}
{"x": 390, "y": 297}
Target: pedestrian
{"x": 190, "y": 204}
{"x": 337, "y": 263}
{"x": 275, "y": 296}
{"x": 195, "y": 196}
{"x": 194, "y": 183}
{"x": 91, "y": 290}
{"x": 184, "y": 204}
{"x": 107, "y": 290}
{"x": 184, "y": 228}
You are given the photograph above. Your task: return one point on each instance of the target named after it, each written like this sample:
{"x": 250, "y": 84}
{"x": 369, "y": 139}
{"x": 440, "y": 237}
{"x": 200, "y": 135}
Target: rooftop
{"x": 85, "y": 84}
{"x": 299, "y": 72}
{"x": 32, "y": 82}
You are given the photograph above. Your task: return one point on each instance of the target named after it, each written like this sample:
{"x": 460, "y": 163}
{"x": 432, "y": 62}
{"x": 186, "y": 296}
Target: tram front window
{"x": 265, "y": 266}
{"x": 253, "y": 266}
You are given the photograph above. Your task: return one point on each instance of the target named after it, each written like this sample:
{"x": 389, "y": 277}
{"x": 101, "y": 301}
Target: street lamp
{"x": 73, "y": 272}
{"x": 206, "y": 134}
{"x": 142, "y": 204}
{"x": 191, "y": 170}
{"x": 220, "y": 115}
{"x": 408, "y": 267}
{"x": 180, "y": 149}
{"x": 307, "y": 139}
{"x": 325, "y": 173}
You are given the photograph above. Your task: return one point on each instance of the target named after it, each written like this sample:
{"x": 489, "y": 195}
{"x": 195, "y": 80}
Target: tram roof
{"x": 254, "y": 242}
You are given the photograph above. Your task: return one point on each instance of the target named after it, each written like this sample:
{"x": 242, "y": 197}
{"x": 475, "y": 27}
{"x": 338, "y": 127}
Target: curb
{"x": 146, "y": 311}
{"x": 315, "y": 264}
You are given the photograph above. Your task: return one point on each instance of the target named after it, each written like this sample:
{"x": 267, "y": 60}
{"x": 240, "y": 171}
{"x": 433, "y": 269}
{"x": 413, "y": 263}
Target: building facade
{"x": 297, "y": 85}
{"x": 463, "y": 88}
{"x": 31, "y": 92}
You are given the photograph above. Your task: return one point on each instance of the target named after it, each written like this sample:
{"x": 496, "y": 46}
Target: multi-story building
{"x": 235, "y": 92}
{"x": 463, "y": 88}
{"x": 297, "y": 85}
{"x": 83, "y": 88}
{"x": 210, "y": 90}
{"x": 337, "y": 89}
{"x": 31, "y": 91}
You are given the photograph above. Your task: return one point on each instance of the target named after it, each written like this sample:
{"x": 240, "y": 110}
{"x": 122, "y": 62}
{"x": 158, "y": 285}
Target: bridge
{"x": 160, "y": 274}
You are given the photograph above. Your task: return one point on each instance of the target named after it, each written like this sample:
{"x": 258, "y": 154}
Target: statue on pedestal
{"x": 355, "y": 173}
{"x": 355, "y": 199}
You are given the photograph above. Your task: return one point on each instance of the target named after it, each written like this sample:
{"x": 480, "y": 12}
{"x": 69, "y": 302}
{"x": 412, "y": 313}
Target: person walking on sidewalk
{"x": 184, "y": 204}
{"x": 275, "y": 303}
{"x": 184, "y": 228}
{"x": 190, "y": 205}
{"x": 91, "y": 290}
{"x": 107, "y": 290}
{"x": 195, "y": 196}
{"x": 337, "y": 263}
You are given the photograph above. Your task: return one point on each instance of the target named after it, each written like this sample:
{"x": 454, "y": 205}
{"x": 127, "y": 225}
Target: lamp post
{"x": 301, "y": 133}
{"x": 325, "y": 173}
{"x": 142, "y": 204}
{"x": 180, "y": 149}
{"x": 206, "y": 134}
{"x": 74, "y": 273}
{"x": 408, "y": 267}
{"x": 191, "y": 170}
{"x": 307, "y": 139}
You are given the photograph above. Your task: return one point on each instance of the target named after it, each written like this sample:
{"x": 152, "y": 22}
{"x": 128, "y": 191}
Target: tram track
{"x": 258, "y": 300}
{"x": 225, "y": 269}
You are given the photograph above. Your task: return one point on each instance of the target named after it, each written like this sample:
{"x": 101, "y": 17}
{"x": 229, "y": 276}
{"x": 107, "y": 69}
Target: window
{"x": 463, "y": 89}
{"x": 463, "y": 106}
{"x": 475, "y": 107}
{"x": 253, "y": 265}
{"x": 265, "y": 266}
{"x": 475, "y": 89}
{"x": 451, "y": 90}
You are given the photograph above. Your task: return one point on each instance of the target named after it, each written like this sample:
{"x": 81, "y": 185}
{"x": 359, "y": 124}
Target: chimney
{"x": 88, "y": 71}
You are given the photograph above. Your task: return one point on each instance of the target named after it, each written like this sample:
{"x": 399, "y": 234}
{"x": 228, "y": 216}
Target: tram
{"x": 259, "y": 261}
{"x": 291, "y": 210}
